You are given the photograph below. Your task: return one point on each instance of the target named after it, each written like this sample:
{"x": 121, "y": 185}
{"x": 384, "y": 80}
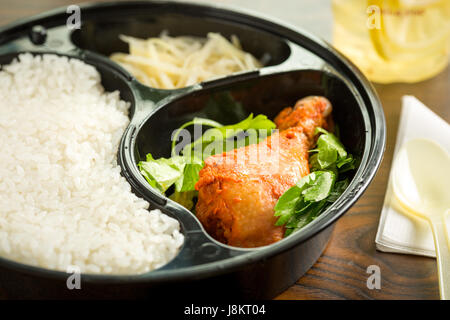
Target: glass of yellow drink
{"x": 394, "y": 40}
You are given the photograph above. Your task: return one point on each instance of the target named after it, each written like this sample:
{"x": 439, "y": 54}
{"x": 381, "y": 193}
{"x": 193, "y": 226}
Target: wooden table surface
{"x": 341, "y": 271}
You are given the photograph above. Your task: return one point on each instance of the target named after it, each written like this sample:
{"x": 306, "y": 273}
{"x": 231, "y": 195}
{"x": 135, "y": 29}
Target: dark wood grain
{"x": 341, "y": 272}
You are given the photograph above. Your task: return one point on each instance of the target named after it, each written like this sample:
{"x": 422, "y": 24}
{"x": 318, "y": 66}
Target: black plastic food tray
{"x": 299, "y": 64}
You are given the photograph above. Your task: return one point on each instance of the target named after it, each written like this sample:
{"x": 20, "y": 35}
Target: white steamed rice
{"x": 63, "y": 201}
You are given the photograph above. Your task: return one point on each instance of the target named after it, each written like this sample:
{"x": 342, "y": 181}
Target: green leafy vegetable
{"x": 338, "y": 189}
{"x": 182, "y": 171}
{"x": 195, "y": 121}
{"x": 329, "y": 149}
{"x": 347, "y": 164}
{"x": 215, "y": 139}
{"x": 186, "y": 199}
{"x": 299, "y": 199}
{"x": 285, "y": 207}
{"x": 319, "y": 186}
{"x": 301, "y": 219}
{"x": 162, "y": 173}
{"x": 189, "y": 178}
{"x": 304, "y": 202}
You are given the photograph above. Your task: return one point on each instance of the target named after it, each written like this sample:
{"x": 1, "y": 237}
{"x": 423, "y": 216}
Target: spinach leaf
{"x": 285, "y": 206}
{"x": 347, "y": 164}
{"x": 299, "y": 220}
{"x": 301, "y": 199}
{"x": 338, "y": 189}
{"x": 318, "y": 185}
{"x": 313, "y": 193}
{"x": 329, "y": 149}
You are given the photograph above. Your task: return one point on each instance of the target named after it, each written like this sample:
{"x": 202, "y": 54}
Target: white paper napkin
{"x": 399, "y": 232}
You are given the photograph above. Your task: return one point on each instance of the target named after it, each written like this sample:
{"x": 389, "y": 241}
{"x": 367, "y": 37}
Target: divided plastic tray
{"x": 299, "y": 64}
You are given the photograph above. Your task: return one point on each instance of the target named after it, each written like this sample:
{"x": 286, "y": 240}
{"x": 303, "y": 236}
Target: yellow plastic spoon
{"x": 421, "y": 183}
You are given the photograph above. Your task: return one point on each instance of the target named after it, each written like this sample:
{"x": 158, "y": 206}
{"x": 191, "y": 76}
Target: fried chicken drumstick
{"x": 238, "y": 189}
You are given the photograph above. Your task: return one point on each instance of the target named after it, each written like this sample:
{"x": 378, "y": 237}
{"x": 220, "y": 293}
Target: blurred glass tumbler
{"x": 394, "y": 40}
